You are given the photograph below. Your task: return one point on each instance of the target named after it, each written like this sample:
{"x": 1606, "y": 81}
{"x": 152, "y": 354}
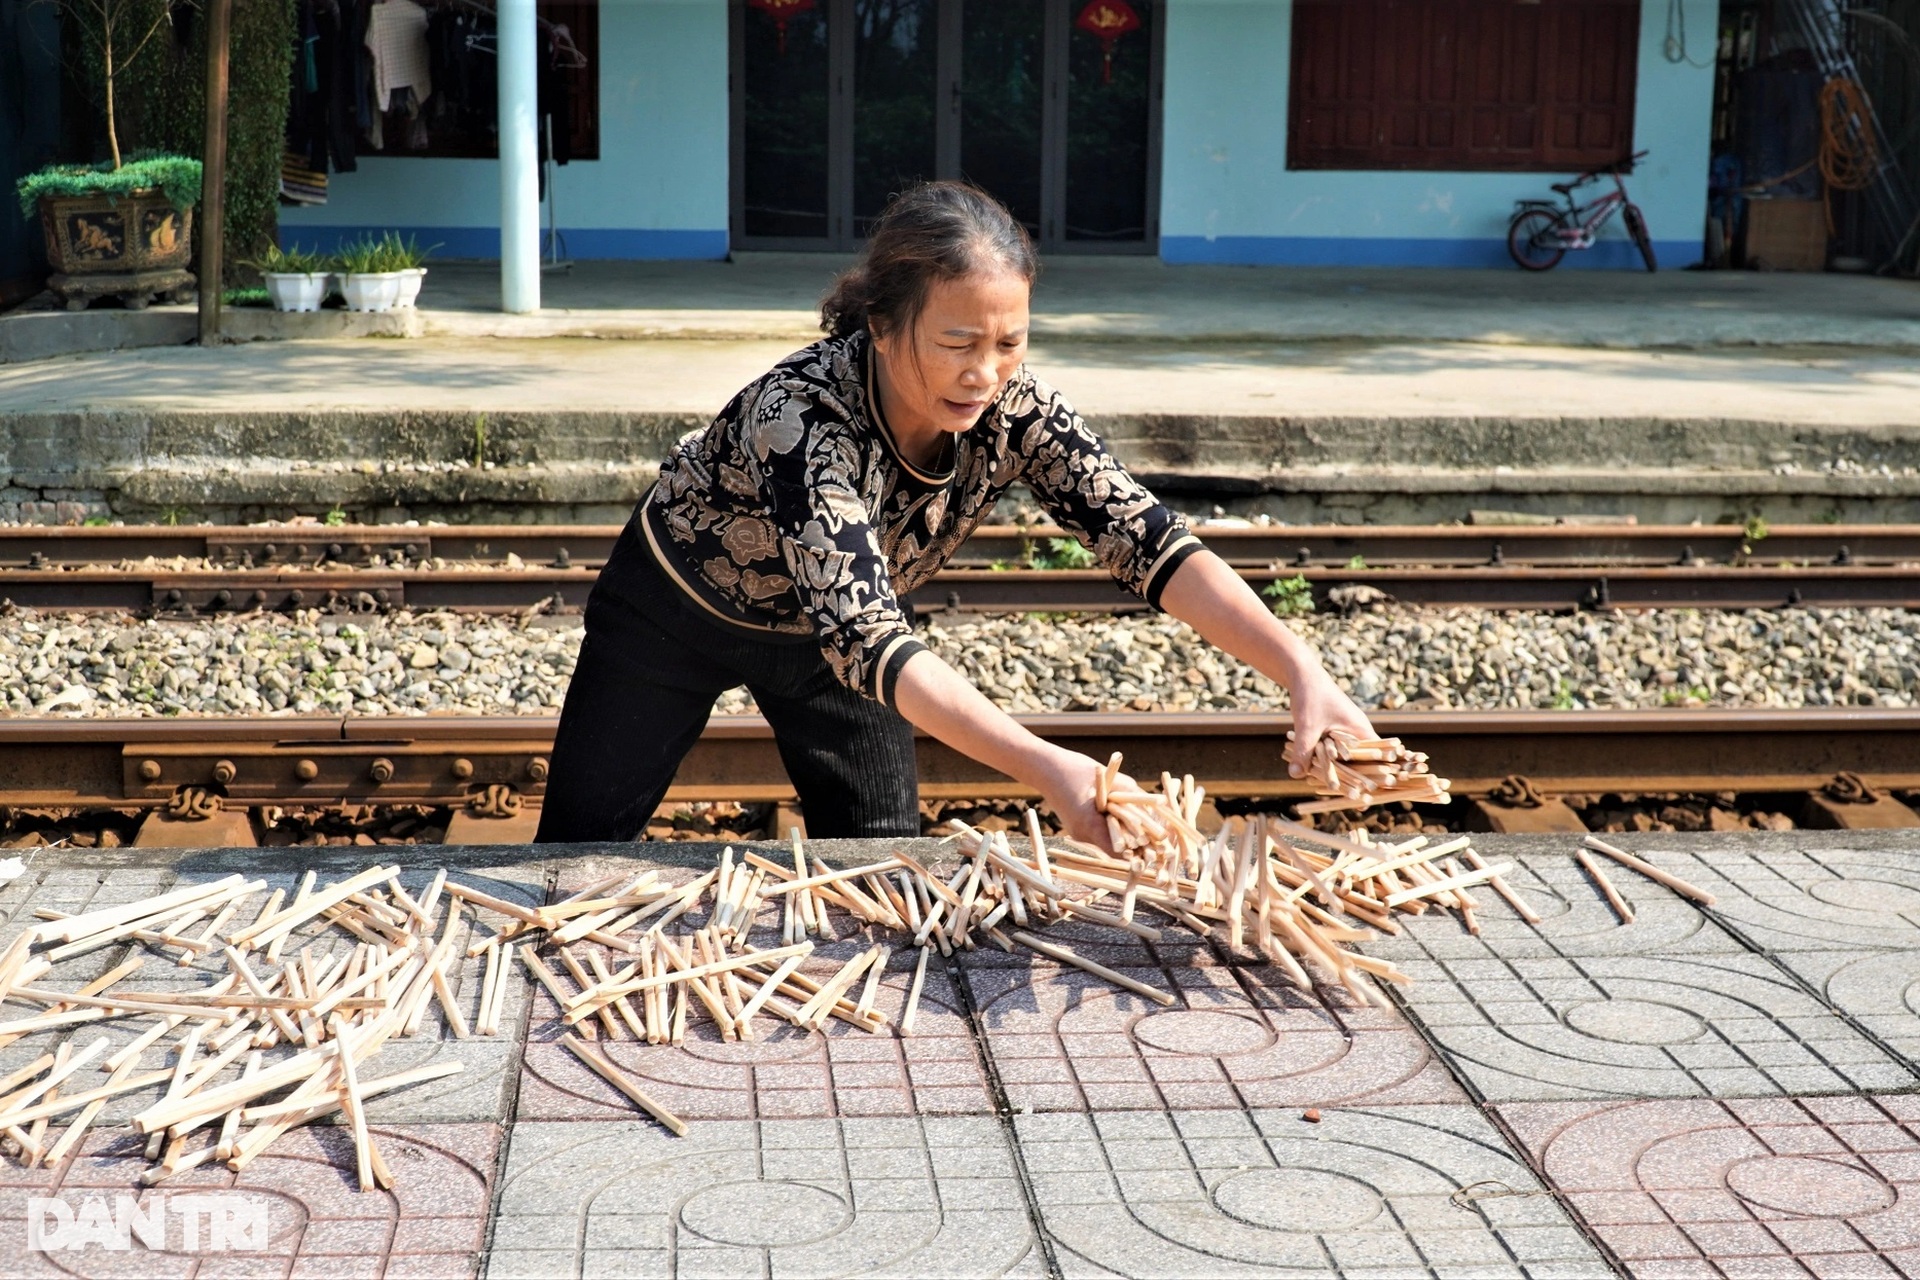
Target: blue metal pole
{"x": 519, "y": 157}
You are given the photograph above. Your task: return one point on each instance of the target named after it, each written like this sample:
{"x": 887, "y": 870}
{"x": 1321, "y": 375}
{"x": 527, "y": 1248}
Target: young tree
{"x": 113, "y": 35}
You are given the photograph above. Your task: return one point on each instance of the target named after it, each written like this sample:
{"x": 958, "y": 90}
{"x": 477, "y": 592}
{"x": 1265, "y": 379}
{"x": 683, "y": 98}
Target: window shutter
{"x": 1462, "y": 84}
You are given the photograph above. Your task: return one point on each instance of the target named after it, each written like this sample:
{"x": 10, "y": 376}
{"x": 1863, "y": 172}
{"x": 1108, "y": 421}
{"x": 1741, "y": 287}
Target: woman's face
{"x": 969, "y": 339}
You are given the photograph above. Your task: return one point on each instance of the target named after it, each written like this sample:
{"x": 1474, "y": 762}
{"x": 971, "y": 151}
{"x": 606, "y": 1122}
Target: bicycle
{"x": 1542, "y": 232}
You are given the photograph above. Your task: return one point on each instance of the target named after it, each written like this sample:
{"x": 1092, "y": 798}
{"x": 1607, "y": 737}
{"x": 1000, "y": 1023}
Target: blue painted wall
{"x": 659, "y": 189}
{"x": 1228, "y": 197}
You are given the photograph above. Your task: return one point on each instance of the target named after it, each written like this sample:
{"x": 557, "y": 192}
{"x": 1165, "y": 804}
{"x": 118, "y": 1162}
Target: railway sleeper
{"x": 1849, "y": 803}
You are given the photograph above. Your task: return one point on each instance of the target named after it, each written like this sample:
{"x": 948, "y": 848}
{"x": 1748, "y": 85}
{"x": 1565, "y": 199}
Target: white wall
{"x": 1229, "y": 197}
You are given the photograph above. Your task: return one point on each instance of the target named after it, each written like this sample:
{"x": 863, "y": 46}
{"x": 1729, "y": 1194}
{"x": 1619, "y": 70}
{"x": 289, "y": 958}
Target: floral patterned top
{"x": 795, "y": 514}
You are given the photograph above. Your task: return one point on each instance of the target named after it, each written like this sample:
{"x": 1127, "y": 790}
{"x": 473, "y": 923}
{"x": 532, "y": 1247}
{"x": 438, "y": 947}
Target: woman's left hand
{"x": 1318, "y": 705}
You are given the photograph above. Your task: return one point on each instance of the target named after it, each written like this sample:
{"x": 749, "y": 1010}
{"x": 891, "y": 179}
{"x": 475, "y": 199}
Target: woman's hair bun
{"x": 936, "y": 231}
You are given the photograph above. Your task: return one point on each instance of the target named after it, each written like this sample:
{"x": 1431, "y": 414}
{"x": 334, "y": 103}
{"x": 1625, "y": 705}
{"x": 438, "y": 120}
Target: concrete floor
{"x": 777, "y": 295}
{"x": 1715, "y": 1093}
{"x": 1387, "y": 433}
{"x": 1359, "y": 383}
{"x": 1376, "y": 395}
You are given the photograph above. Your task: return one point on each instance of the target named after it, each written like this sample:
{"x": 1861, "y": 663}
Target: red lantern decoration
{"x": 1107, "y": 21}
{"x": 780, "y": 11}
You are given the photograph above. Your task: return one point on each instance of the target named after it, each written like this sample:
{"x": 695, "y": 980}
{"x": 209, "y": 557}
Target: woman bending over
{"x": 779, "y": 543}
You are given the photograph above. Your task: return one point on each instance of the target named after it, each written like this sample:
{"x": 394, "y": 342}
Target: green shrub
{"x": 177, "y": 177}
{"x": 369, "y": 254}
{"x": 405, "y": 255}
{"x": 1289, "y": 597}
{"x": 359, "y": 257}
{"x": 1061, "y": 553}
{"x": 164, "y": 93}
{"x": 294, "y": 261}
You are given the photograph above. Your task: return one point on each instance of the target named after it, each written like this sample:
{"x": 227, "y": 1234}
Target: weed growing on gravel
{"x": 1289, "y": 597}
{"x": 1060, "y": 553}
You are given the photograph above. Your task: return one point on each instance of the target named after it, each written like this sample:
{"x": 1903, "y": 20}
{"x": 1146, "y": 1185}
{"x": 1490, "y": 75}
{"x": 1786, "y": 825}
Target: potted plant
{"x": 369, "y": 276}
{"x": 296, "y": 278}
{"x": 410, "y": 259}
{"x": 123, "y": 227}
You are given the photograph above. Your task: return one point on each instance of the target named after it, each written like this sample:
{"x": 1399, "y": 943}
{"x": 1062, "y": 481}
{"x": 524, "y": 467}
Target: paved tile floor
{"x": 1723, "y": 1092}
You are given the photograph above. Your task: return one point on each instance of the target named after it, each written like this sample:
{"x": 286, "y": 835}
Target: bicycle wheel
{"x": 1637, "y": 228}
{"x": 1531, "y": 239}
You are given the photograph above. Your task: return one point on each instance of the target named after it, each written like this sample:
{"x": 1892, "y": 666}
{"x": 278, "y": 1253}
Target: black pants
{"x": 648, "y": 673}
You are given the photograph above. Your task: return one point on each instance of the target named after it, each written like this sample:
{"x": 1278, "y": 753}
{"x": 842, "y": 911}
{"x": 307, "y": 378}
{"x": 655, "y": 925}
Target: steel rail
{"x": 513, "y": 568}
{"x": 1302, "y": 546}
{"x": 968, "y": 590}
{"x": 76, "y": 763}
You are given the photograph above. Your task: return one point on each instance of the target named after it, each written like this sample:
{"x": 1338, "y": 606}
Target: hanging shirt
{"x": 397, "y": 39}
{"x": 794, "y": 514}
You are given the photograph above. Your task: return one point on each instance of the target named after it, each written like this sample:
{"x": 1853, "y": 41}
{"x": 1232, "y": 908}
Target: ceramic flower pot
{"x": 410, "y": 281}
{"x": 371, "y": 290}
{"x": 296, "y": 290}
{"x": 94, "y": 234}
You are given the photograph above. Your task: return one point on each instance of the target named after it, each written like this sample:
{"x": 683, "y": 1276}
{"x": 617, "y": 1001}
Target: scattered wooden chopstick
{"x": 1650, "y": 871}
{"x": 1614, "y": 900}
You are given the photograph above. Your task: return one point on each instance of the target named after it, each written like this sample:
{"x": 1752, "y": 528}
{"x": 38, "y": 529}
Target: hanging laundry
{"x": 299, "y": 182}
{"x": 397, "y": 39}
{"x": 463, "y": 47}
{"x": 322, "y": 103}
{"x": 555, "y": 94}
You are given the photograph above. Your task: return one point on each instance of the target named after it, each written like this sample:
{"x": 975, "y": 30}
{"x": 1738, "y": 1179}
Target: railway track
{"x": 209, "y": 570}
{"x": 1510, "y": 765}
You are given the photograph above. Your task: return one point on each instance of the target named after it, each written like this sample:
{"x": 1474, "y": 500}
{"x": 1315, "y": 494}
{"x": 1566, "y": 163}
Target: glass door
{"x": 1051, "y": 105}
{"x": 781, "y": 117}
{"x": 894, "y": 82}
{"x": 1003, "y": 94}
{"x": 1111, "y": 162}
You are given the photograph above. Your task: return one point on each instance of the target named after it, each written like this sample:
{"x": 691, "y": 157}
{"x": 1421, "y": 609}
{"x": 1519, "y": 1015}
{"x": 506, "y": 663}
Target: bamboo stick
{"x": 1505, "y": 890}
{"x": 605, "y": 1069}
{"x": 1650, "y": 871}
{"x": 308, "y": 907}
{"x": 1065, "y": 956}
{"x": 72, "y": 928}
{"x": 1614, "y": 899}
{"x": 913, "y": 992}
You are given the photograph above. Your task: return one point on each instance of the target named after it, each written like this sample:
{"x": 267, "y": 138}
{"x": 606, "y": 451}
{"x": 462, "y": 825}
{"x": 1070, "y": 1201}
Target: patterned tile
{"x": 1825, "y": 1187}
{"x": 1576, "y": 919}
{"x": 1801, "y": 890}
{"x": 885, "y": 1196}
{"x": 1640, "y": 1026}
{"x": 433, "y": 1222}
{"x": 1062, "y": 1039}
{"x": 781, "y": 1073}
{"x": 1880, "y": 990}
{"x": 1364, "y": 1192}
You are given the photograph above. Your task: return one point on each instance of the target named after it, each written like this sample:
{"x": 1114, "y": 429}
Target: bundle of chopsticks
{"x": 1358, "y": 773}
{"x": 268, "y": 1042}
{"x": 1296, "y": 895}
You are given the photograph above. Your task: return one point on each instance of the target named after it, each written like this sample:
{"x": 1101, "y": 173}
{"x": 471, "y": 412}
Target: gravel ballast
{"x": 1389, "y": 657}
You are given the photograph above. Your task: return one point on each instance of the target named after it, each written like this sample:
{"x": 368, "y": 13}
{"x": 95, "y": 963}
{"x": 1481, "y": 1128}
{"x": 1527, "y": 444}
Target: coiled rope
{"x": 1848, "y": 156}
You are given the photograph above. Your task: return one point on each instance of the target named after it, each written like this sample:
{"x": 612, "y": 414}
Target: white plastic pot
{"x": 410, "y": 281}
{"x": 296, "y": 290}
{"x": 370, "y": 290}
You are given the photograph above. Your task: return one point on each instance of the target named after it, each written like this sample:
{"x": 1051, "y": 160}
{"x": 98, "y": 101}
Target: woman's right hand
{"x": 1070, "y": 788}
